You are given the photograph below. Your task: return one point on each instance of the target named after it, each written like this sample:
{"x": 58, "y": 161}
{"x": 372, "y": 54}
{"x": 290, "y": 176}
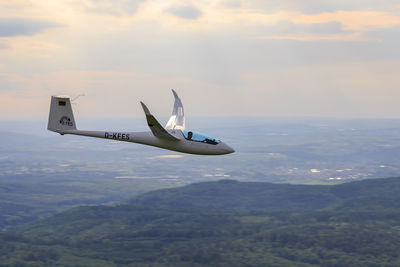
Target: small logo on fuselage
{"x": 66, "y": 121}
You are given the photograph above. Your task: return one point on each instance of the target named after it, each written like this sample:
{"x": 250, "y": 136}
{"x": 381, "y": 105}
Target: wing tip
{"x": 175, "y": 94}
{"x": 145, "y": 109}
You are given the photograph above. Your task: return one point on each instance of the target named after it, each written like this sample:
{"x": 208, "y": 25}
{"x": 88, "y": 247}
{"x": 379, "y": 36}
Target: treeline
{"x": 147, "y": 237}
{"x": 363, "y": 231}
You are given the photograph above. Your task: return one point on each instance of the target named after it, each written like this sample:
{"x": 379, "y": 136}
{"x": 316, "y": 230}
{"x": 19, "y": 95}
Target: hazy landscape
{"x": 268, "y": 149}
{"x": 43, "y": 174}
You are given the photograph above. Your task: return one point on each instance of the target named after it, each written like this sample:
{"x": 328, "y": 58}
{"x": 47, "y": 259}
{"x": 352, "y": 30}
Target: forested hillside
{"x": 225, "y": 223}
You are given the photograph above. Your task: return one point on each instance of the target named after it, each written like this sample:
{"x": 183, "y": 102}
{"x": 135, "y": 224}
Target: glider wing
{"x": 177, "y": 119}
{"x": 155, "y": 126}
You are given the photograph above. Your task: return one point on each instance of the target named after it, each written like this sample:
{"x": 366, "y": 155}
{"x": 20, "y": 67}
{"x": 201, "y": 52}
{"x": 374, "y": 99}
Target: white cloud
{"x": 112, "y": 7}
{"x": 185, "y": 12}
{"x": 13, "y": 26}
{"x": 284, "y": 60}
{"x": 318, "y": 6}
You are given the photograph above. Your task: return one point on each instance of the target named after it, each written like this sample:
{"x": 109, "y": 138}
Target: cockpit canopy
{"x": 198, "y": 137}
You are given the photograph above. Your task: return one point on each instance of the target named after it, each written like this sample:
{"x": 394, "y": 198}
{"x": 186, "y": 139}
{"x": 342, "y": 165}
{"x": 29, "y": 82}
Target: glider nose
{"x": 227, "y": 149}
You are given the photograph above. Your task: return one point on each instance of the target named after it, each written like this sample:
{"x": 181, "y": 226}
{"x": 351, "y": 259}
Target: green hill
{"x": 225, "y": 223}
{"x": 234, "y": 195}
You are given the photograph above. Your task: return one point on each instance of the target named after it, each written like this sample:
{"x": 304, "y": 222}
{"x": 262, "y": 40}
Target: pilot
{"x": 190, "y": 134}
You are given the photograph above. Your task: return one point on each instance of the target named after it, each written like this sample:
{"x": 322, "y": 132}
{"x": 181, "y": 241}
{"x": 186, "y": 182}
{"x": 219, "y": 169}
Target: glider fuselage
{"x": 147, "y": 138}
{"x": 173, "y": 136}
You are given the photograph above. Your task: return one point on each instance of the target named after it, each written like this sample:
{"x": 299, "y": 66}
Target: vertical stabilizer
{"x": 61, "y": 117}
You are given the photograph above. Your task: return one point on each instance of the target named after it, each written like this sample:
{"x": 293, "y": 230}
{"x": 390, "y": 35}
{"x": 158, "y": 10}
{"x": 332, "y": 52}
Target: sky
{"x": 331, "y": 58}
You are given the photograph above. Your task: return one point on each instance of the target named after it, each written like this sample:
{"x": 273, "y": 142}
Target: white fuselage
{"x": 147, "y": 138}
{"x": 175, "y": 137}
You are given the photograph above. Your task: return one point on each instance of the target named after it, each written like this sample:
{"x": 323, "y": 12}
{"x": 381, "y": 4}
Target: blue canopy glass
{"x": 198, "y": 137}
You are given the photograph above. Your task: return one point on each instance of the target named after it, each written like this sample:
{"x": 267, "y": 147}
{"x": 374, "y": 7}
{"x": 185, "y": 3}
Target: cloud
{"x": 304, "y": 61}
{"x": 318, "y": 6}
{"x": 112, "y": 7}
{"x": 322, "y": 28}
{"x": 10, "y": 27}
{"x": 356, "y": 36}
{"x": 185, "y": 12}
{"x": 329, "y": 31}
{"x": 317, "y": 28}
{"x": 346, "y": 90}
{"x": 288, "y": 22}
{"x": 3, "y": 45}
{"x": 232, "y": 4}
{"x": 352, "y": 20}
{"x": 342, "y": 89}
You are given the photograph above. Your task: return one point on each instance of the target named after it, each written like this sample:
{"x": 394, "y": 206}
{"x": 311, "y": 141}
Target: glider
{"x": 173, "y": 136}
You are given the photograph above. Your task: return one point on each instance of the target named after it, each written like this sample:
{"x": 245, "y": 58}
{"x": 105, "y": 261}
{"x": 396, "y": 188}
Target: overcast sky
{"x": 335, "y": 58}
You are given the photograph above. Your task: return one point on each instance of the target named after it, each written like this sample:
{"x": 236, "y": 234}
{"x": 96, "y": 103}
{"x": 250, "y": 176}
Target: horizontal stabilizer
{"x": 155, "y": 126}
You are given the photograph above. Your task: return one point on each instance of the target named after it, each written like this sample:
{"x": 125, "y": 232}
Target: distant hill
{"x": 234, "y": 195}
{"x": 224, "y": 223}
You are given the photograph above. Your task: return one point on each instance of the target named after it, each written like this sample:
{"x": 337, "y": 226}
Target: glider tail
{"x": 61, "y": 117}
